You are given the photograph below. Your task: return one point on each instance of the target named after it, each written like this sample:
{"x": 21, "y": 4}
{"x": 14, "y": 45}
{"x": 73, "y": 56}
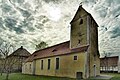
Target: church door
{"x": 79, "y": 75}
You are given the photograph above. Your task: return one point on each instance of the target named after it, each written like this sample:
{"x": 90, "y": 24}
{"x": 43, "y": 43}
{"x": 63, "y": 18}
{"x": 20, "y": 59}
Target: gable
{"x": 20, "y": 52}
{"x": 80, "y": 13}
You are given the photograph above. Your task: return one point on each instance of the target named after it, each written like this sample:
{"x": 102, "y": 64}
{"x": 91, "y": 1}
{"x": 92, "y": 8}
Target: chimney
{"x": 21, "y": 47}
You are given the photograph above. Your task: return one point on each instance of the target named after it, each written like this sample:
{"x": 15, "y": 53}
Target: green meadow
{"x": 19, "y": 76}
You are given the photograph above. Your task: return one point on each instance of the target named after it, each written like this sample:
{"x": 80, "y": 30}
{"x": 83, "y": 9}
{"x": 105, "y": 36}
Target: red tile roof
{"x": 56, "y": 50}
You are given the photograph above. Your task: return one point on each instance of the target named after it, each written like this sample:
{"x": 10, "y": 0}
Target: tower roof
{"x": 80, "y": 13}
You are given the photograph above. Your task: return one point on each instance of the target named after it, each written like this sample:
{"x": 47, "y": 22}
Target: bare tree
{"x": 1, "y": 64}
{"x": 7, "y": 61}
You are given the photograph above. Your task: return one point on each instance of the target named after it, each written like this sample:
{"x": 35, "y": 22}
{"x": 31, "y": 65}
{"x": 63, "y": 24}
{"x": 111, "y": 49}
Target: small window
{"x": 79, "y": 41}
{"x": 30, "y": 66}
{"x": 41, "y": 64}
{"x": 75, "y": 57}
{"x": 48, "y": 64}
{"x": 94, "y": 57}
{"x": 81, "y": 21}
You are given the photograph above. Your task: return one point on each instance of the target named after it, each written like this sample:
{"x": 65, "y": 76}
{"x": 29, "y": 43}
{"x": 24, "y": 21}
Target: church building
{"x": 77, "y": 58}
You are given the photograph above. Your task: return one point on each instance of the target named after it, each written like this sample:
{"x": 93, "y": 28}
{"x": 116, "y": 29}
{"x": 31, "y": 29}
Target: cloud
{"x": 115, "y": 32}
{"x": 55, "y": 1}
{"x": 6, "y": 8}
{"x": 18, "y": 1}
{"x": 10, "y": 23}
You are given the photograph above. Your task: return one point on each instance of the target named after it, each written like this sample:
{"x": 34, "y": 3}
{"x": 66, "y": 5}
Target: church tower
{"x": 78, "y": 35}
{"x": 84, "y": 31}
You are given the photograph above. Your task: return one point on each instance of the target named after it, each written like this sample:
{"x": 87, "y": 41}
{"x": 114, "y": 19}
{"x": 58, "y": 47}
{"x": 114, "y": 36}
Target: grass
{"x": 19, "y": 76}
{"x": 116, "y": 76}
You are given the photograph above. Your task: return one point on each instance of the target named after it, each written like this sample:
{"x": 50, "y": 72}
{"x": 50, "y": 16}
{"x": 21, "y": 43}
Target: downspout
{"x": 86, "y": 65}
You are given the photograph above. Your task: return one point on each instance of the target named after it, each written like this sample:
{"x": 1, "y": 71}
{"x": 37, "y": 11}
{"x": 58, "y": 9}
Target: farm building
{"x": 21, "y": 54}
{"x": 110, "y": 64}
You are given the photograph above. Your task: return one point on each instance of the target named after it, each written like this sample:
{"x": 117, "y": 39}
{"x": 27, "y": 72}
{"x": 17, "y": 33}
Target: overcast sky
{"x": 27, "y": 22}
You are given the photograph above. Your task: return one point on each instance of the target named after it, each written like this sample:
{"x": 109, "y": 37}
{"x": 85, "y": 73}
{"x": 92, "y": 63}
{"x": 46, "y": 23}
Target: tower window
{"x": 81, "y": 21}
{"x": 95, "y": 57}
{"x": 79, "y": 41}
{"x": 75, "y": 57}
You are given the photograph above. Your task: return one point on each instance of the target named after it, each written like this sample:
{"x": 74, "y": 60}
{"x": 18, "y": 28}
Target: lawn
{"x": 19, "y": 76}
{"x": 116, "y": 76}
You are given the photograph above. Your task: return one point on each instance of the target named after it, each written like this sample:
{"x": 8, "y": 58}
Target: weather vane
{"x": 81, "y": 3}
